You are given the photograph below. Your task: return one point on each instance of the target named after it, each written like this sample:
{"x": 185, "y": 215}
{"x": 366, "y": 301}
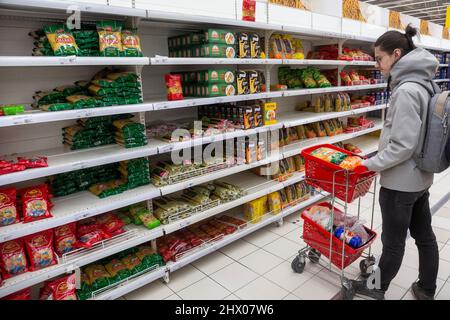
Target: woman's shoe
{"x": 419, "y": 293}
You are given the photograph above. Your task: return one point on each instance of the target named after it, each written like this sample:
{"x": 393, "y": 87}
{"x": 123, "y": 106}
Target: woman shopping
{"x": 404, "y": 188}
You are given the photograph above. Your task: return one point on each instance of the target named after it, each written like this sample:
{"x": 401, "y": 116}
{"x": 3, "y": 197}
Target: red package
{"x": 89, "y": 239}
{"x": 45, "y": 291}
{"x": 40, "y": 250}
{"x": 36, "y": 162}
{"x": 87, "y": 226}
{"x": 24, "y": 294}
{"x": 8, "y": 208}
{"x": 174, "y": 88}
{"x": 248, "y": 10}
{"x": 5, "y": 163}
{"x": 65, "y": 238}
{"x": 117, "y": 232}
{"x": 13, "y": 260}
{"x": 35, "y": 205}
{"x": 12, "y": 168}
{"x": 109, "y": 222}
{"x": 62, "y": 288}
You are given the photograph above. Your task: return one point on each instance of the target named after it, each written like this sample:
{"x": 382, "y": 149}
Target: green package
{"x": 48, "y": 97}
{"x": 218, "y": 51}
{"x": 220, "y": 36}
{"x": 125, "y": 219}
{"x": 118, "y": 270}
{"x": 98, "y": 276}
{"x": 10, "y": 110}
{"x": 338, "y": 157}
{"x": 148, "y": 219}
{"x": 216, "y": 90}
{"x": 110, "y": 39}
{"x": 61, "y": 40}
{"x": 133, "y": 263}
{"x": 216, "y": 76}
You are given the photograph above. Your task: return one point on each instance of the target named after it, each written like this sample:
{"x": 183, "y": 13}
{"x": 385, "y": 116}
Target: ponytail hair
{"x": 392, "y": 40}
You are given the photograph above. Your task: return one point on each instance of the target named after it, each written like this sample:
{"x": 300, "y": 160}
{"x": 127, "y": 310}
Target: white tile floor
{"x": 259, "y": 265}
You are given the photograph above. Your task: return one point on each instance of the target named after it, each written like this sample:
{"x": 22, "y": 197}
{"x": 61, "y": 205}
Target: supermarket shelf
{"x": 37, "y": 116}
{"x": 313, "y": 62}
{"x": 254, "y": 186}
{"x": 159, "y": 61}
{"x": 132, "y": 284}
{"x": 442, "y": 80}
{"x": 215, "y": 175}
{"x": 133, "y": 237}
{"x": 78, "y": 206}
{"x": 296, "y": 118}
{"x": 296, "y": 148}
{"x": 225, "y": 61}
{"x": 171, "y": 146}
{"x": 63, "y": 160}
{"x": 367, "y": 144}
{"x": 190, "y": 102}
{"x": 26, "y": 61}
{"x": 214, "y": 246}
{"x": 302, "y": 92}
{"x": 62, "y": 5}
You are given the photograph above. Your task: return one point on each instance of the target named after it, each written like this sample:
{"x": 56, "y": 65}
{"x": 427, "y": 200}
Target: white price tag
{"x": 168, "y": 148}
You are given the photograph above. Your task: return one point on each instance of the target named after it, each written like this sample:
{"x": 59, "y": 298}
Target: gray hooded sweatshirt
{"x": 399, "y": 139}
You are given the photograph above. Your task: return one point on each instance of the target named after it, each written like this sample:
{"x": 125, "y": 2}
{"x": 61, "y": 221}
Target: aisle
{"x": 259, "y": 266}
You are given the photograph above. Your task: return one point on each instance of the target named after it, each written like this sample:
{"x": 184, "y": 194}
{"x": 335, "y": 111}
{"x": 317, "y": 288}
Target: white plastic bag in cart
{"x": 340, "y": 219}
{"x": 358, "y": 229}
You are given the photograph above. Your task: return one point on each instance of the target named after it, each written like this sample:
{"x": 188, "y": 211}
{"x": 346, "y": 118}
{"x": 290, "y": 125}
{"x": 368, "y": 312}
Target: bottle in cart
{"x": 351, "y": 238}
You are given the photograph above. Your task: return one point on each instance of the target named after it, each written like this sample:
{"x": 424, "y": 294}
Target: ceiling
{"x": 431, "y": 10}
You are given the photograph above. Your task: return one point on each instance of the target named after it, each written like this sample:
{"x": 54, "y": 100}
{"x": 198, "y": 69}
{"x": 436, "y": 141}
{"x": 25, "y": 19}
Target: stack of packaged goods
{"x": 172, "y": 247}
{"x": 297, "y": 4}
{"x": 109, "y": 39}
{"x": 283, "y": 46}
{"x": 194, "y": 199}
{"x": 106, "y": 89}
{"x": 358, "y": 123}
{"x": 89, "y": 133}
{"x": 274, "y": 202}
{"x": 135, "y": 172}
{"x": 360, "y": 77}
{"x": 114, "y": 269}
{"x": 139, "y": 214}
{"x": 285, "y": 169}
{"x": 327, "y": 103}
{"x": 338, "y": 158}
{"x": 25, "y": 205}
{"x": 116, "y": 88}
{"x": 298, "y": 78}
{"x": 87, "y": 41}
{"x": 211, "y": 43}
{"x": 67, "y": 183}
{"x": 130, "y": 134}
{"x": 21, "y": 163}
{"x": 208, "y": 83}
{"x": 330, "y": 52}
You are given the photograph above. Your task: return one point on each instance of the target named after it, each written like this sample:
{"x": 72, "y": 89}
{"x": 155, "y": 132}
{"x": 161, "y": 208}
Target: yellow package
{"x": 253, "y": 210}
{"x": 330, "y": 128}
{"x": 269, "y": 113}
{"x": 110, "y": 38}
{"x": 299, "y": 53}
{"x": 317, "y": 104}
{"x": 351, "y": 162}
{"x": 274, "y": 202}
{"x": 301, "y": 134}
{"x": 61, "y": 40}
{"x": 131, "y": 44}
{"x": 327, "y": 103}
{"x": 319, "y": 129}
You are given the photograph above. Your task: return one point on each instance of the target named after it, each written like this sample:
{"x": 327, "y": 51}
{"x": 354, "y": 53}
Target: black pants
{"x": 402, "y": 211}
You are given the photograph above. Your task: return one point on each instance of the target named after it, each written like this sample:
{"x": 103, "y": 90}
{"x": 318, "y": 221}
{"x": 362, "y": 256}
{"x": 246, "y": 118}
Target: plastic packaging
{"x": 40, "y": 250}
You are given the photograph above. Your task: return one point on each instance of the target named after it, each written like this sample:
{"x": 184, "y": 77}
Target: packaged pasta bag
{"x": 24, "y": 294}
{"x": 274, "y": 201}
{"x": 133, "y": 263}
{"x": 131, "y": 43}
{"x": 118, "y": 270}
{"x": 8, "y": 209}
{"x": 39, "y": 248}
{"x": 65, "y": 238}
{"x": 110, "y": 38}
{"x": 351, "y": 162}
{"x": 62, "y": 289}
{"x": 248, "y": 10}
{"x": 174, "y": 88}
{"x": 35, "y": 203}
{"x": 109, "y": 222}
{"x": 61, "y": 40}
{"x": 13, "y": 260}
{"x": 97, "y": 276}
{"x": 87, "y": 240}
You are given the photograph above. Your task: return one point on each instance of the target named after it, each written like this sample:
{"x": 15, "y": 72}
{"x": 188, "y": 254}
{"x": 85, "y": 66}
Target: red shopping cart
{"x": 335, "y": 183}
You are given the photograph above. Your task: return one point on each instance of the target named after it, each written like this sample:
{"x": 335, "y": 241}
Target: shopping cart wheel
{"x": 314, "y": 255}
{"x": 347, "y": 290}
{"x": 298, "y": 264}
{"x": 365, "y": 264}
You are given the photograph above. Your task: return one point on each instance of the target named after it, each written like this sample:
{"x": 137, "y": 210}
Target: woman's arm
{"x": 405, "y": 131}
